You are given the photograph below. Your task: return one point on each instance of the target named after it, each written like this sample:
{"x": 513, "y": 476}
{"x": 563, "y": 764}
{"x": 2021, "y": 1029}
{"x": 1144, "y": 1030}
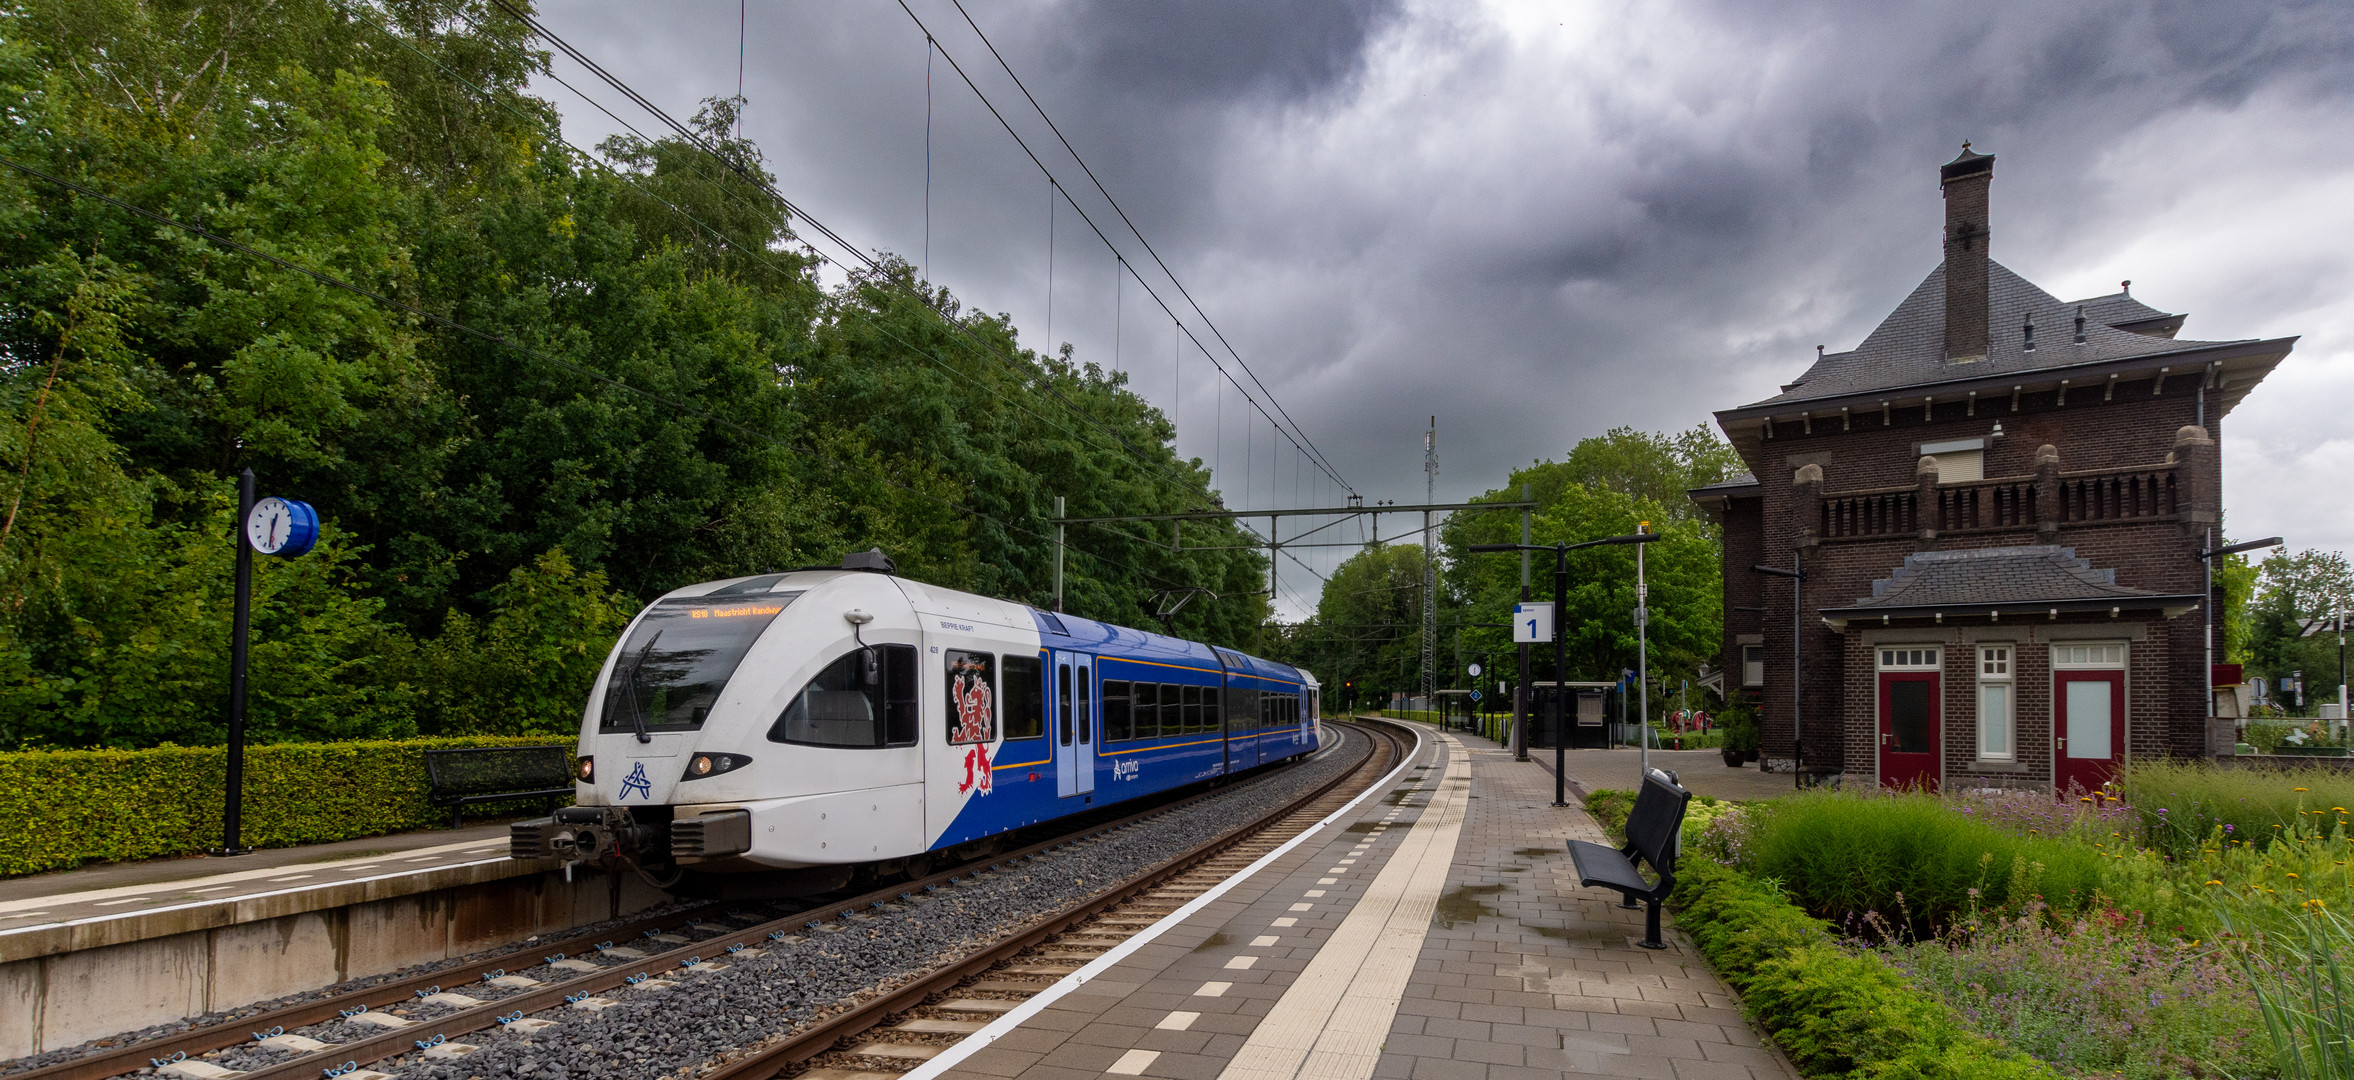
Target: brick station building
{"x": 1998, "y": 499}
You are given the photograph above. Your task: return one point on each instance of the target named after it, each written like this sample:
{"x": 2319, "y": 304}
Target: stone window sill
{"x": 1997, "y": 767}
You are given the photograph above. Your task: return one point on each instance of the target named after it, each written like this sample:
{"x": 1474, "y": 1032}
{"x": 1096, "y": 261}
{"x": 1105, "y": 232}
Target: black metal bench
{"x": 1653, "y": 835}
{"x": 482, "y": 774}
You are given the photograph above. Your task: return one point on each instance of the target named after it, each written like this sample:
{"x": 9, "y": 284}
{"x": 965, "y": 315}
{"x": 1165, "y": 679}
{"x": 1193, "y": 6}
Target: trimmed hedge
{"x": 1836, "y": 1011}
{"x": 62, "y": 808}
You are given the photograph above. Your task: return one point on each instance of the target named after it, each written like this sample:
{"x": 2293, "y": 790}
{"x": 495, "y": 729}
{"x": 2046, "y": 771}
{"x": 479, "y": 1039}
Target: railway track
{"x": 896, "y": 1032}
{"x": 657, "y": 953}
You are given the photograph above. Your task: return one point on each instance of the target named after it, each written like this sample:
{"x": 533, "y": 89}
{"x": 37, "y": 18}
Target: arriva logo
{"x": 636, "y": 781}
{"x": 1124, "y": 770}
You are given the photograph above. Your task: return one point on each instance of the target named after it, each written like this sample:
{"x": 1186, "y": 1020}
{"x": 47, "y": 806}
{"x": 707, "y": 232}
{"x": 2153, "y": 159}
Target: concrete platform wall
{"x": 81, "y": 983}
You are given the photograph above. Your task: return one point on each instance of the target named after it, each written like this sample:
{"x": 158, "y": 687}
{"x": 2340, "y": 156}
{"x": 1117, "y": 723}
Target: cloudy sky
{"x": 1542, "y": 220}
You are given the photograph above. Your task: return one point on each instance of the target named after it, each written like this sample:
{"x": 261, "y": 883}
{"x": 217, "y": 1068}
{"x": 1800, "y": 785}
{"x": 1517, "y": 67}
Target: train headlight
{"x": 588, "y": 769}
{"x": 703, "y": 765}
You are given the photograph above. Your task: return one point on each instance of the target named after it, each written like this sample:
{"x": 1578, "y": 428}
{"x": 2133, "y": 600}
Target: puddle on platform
{"x": 1214, "y": 941}
{"x": 1461, "y": 905}
{"x": 1399, "y": 797}
{"x": 1608, "y": 934}
{"x": 1365, "y": 826}
{"x": 1537, "y": 852}
{"x": 1516, "y": 869}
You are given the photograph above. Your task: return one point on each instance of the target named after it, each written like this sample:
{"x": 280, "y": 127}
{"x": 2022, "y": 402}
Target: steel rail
{"x": 824, "y": 1035}
{"x": 394, "y": 1042}
{"x": 116, "y": 1061}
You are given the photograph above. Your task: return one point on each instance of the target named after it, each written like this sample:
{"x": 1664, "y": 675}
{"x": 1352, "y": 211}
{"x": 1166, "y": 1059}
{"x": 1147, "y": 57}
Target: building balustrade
{"x": 2138, "y": 493}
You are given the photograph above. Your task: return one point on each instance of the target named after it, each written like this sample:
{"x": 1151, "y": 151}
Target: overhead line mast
{"x": 1430, "y": 603}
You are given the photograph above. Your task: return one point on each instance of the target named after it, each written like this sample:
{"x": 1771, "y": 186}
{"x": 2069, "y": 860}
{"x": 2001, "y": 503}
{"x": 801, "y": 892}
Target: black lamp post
{"x": 2207, "y": 557}
{"x": 1561, "y": 638}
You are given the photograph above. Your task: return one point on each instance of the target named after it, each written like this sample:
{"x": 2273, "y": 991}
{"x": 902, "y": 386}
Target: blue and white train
{"x": 777, "y": 734}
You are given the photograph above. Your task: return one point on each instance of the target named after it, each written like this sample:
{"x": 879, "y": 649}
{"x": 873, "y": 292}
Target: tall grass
{"x": 1909, "y": 859}
{"x": 2181, "y": 804}
{"x": 2297, "y": 964}
{"x": 2096, "y": 995}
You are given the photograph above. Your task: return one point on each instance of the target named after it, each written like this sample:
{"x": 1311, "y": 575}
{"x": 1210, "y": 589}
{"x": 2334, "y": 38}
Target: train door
{"x": 1229, "y": 723}
{"x": 1074, "y": 724}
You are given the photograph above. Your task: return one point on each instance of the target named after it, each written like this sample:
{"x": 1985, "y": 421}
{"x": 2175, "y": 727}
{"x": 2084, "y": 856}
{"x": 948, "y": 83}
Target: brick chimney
{"x": 1965, "y": 180}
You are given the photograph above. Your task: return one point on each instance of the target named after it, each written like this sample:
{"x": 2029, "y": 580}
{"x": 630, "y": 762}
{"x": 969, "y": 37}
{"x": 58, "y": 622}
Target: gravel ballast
{"x": 656, "y": 1033}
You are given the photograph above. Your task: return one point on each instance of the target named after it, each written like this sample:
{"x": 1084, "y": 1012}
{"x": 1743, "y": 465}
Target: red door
{"x": 2089, "y": 732}
{"x": 1910, "y": 735}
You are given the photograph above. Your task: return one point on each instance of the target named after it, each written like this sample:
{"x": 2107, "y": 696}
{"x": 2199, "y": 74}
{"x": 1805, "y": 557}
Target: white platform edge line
{"x": 113, "y": 916}
{"x": 1004, "y": 1025}
{"x": 238, "y": 877}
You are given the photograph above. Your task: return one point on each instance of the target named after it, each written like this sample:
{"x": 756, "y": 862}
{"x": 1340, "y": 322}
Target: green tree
{"x": 528, "y": 667}
{"x": 2292, "y": 592}
{"x": 681, "y": 399}
{"x": 1365, "y": 640}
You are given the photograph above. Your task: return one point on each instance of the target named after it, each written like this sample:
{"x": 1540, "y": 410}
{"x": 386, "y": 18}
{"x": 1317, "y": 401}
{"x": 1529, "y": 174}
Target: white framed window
{"x": 1996, "y": 704}
{"x": 2088, "y": 656}
{"x": 1909, "y": 658}
{"x": 1753, "y": 665}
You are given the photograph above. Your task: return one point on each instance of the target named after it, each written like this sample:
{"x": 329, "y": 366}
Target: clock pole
{"x": 232, "y": 813}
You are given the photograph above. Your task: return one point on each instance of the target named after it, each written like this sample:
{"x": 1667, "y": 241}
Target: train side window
{"x": 903, "y": 711}
{"x": 972, "y": 697}
{"x": 840, "y": 709}
{"x": 1024, "y": 692}
{"x": 1116, "y": 717}
{"x": 1148, "y": 710}
{"x": 1193, "y": 708}
{"x": 1211, "y": 710}
{"x": 1062, "y": 703}
{"x": 1085, "y": 676}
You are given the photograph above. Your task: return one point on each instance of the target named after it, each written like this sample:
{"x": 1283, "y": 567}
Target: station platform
{"x": 48, "y": 907}
{"x": 1433, "y": 930}
{"x": 100, "y": 950}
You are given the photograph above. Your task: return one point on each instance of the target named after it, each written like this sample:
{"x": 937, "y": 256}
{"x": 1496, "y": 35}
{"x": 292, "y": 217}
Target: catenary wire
{"x": 764, "y": 258}
{"x": 1138, "y": 233}
{"x": 690, "y": 138}
{"x": 525, "y": 350}
{"x": 1100, "y": 235}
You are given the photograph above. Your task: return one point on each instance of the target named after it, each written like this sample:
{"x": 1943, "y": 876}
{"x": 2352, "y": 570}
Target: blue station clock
{"x": 283, "y": 527}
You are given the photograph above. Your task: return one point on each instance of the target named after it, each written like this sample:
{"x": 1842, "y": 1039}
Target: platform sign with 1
{"x": 1532, "y": 623}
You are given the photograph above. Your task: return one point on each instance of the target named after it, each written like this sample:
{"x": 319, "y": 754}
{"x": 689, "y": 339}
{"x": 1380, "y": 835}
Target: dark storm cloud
{"x": 1215, "y": 50}
{"x": 1541, "y": 221}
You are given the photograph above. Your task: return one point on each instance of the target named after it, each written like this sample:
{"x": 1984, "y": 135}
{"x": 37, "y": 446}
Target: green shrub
{"x": 1739, "y": 724}
{"x": 2097, "y": 995}
{"x": 1835, "y": 1011}
{"x": 62, "y": 808}
{"x": 1610, "y": 808}
{"x": 1908, "y": 858}
{"x": 2181, "y": 804}
{"x": 2265, "y": 737}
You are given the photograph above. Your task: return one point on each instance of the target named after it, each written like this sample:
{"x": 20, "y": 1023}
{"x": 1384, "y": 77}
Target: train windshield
{"x": 680, "y": 656}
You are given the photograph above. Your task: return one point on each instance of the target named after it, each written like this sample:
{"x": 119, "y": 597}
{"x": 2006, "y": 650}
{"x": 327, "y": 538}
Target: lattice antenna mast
{"x": 1430, "y": 600}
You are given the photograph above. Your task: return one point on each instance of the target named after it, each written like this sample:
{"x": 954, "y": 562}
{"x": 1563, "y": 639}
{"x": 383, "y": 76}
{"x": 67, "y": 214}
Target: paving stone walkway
{"x": 1436, "y": 933}
{"x": 1526, "y": 976}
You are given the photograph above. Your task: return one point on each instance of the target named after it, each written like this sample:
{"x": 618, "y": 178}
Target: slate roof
{"x": 1732, "y": 485}
{"x": 2030, "y": 576}
{"x": 1908, "y": 347}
